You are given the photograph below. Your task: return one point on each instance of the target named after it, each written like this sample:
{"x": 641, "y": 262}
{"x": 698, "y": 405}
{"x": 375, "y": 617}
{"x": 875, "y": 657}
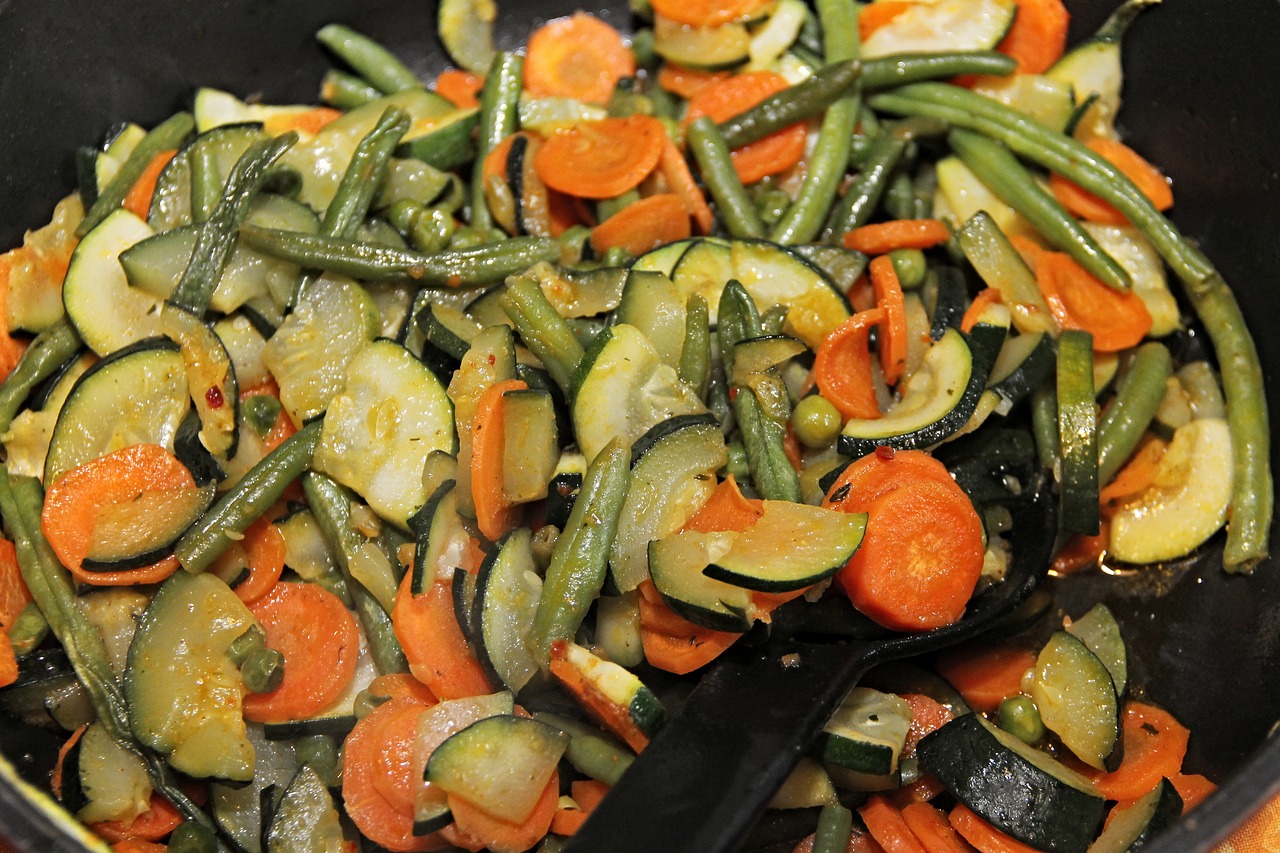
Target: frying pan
{"x": 1201, "y": 100}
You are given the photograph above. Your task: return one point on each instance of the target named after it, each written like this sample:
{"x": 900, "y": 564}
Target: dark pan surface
{"x": 1201, "y": 100}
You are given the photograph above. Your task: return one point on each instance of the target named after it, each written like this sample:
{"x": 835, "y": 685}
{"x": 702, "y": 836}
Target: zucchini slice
{"x": 113, "y": 780}
{"x": 441, "y": 538}
{"x": 531, "y": 444}
{"x": 391, "y": 412}
{"x": 675, "y": 565}
{"x": 211, "y": 379}
{"x": 1077, "y": 700}
{"x": 171, "y": 202}
{"x": 943, "y": 26}
{"x": 652, "y": 303}
{"x": 507, "y": 591}
{"x": 707, "y": 48}
{"x": 184, "y": 692}
{"x": 306, "y": 819}
{"x": 864, "y": 738}
{"x": 1135, "y": 824}
{"x": 1100, "y": 632}
{"x": 664, "y": 258}
{"x": 143, "y": 530}
{"x": 108, "y": 313}
{"x": 138, "y": 395}
{"x": 500, "y": 764}
{"x": 436, "y": 725}
{"x": 1020, "y": 790}
{"x": 672, "y": 474}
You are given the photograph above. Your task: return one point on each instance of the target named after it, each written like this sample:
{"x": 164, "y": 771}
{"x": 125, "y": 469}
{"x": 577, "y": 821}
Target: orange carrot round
{"x": 317, "y": 635}
{"x": 459, "y": 87}
{"x": 72, "y": 504}
{"x": 495, "y": 514}
{"x": 264, "y": 551}
{"x": 866, "y": 479}
{"x": 842, "y": 366}
{"x": 138, "y": 199}
{"x": 11, "y": 348}
{"x": 1150, "y": 180}
{"x": 710, "y": 13}
{"x": 931, "y": 827}
{"x": 397, "y": 771}
{"x": 920, "y": 557}
{"x": 438, "y": 654}
{"x": 673, "y": 643}
{"x": 1038, "y": 36}
{"x": 724, "y": 99}
{"x": 983, "y": 835}
{"x": 986, "y": 675}
{"x": 893, "y": 331}
{"x": 474, "y": 829}
{"x": 579, "y": 57}
{"x": 601, "y": 159}
{"x": 881, "y": 238}
{"x": 1077, "y": 300}
{"x": 687, "y": 82}
{"x": 14, "y": 595}
{"x": 401, "y": 685}
{"x": 927, "y": 715}
{"x": 1154, "y": 745}
{"x": 651, "y": 222}
{"x": 887, "y": 827}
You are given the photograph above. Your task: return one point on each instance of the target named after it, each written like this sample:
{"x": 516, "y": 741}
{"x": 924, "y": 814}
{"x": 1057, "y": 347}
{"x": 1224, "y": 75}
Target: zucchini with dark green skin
{"x": 1077, "y": 433}
{"x": 508, "y": 591}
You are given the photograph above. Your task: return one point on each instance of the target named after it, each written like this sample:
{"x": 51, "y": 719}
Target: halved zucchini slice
{"x": 613, "y": 696}
{"x": 143, "y": 530}
{"x": 108, "y": 313}
{"x": 1100, "y": 632}
{"x": 1077, "y": 700}
{"x": 943, "y": 26}
{"x": 305, "y": 819}
{"x": 675, "y": 565}
{"x": 708, "y": 48}
{"x": 866, "y": 735}
{"x": 507, "y": 591}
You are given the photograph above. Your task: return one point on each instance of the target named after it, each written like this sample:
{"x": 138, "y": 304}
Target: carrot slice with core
{"x": 643, "y": 225}
{"x": 437, "y": 651}
{"x": 724, "y": 99}
{"x": 73, "y": 502}
{"x": 577, "y": 57}
{"x": 318, "y": 637}
{"x": 1116, "y": 320}
{"x": 601, "y": 159}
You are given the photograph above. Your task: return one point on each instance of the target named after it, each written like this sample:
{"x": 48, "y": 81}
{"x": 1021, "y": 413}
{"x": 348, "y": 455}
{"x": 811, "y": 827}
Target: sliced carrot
{"x": 264, "y": 552}
{"x": 438, "y": 654}
{"x": 1117, "y": 320}
{"x": 11, "y": 348}
{"x": 1038, "y": 36}
{"x": 578, "y": 57}
{"x": 14, "y": 595}
{"x": 588, "y": 793}
{"x": 887, "y": 827}
{"x": 473, "y": 825}
{"x": 1137, "y": 474}
{"x": 601, "y": 159}
{"x": 1193, "y": 788}
{"x": 686, "y": 82}
{"x": 875, "y": 474}
{"x": 986, "y": 675}
{"x": 873, "y": 16}
{"x": 726, "y": 509}
{"x": 920, "y": 557}
{"x": 461, "y": 88}
{"x": 495, "y": 162}
{"x": 710, "y": 13}
{"x": 673, "y": 643}
{"x": 137, "y": 845}
{"x": 675, "y": 171}
{"x": 567, "y": 820}
{"x": 923, "y": 790}
{"x": 881, "y": 238}
{"x": 372, "y": 814}
{"x": 1082, "y": 550}
{"x": 8, "y": 661}
{"x": 152, "y": 825}
{"x": 397, "y": 767}
{"x": 1084, "y": 204}
{"x": 1154, "y": 745}
{"x": 859, "y": 842}
{"x": 927, "y": 715}
{"x": 401, "y": 685}
{"x": 892, "y": 342}
{"x": 791, "y": 448}
{"x": 983, "y": 835}
{"x": 72, "y": 504}
{"x": 318, "y": 637}
{"x": 495, "y": 514}
{"x": 724, "y": 99}
{"x": 55, "y": 779}
{"x": 138, "y": 199}
{"x": 643, "y": 225}
{"x": 932, "y": 830}
{"x": 604, "y": 710}
{"x": 842, "y": 366}
{"x": 986, "y": 297}
{"x": 1030, "y": 251}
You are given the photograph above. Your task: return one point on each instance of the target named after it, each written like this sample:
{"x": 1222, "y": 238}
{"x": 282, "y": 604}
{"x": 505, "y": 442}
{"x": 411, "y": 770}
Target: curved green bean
{"x": 364, "y": 174}
{"x": 732, "y": 202}
{"x": 795, "y": 103}
{"x": 346, "y": 91}
{"x": 897, "y": 69}
{"x": 1137, "y": 397}
{"x": 167, "y": 135}
{"x": 50, "y": 349}
{"x": 371, "y": 60}
{"x": 499, "y": 118}
{"x": 695, "y": 356}
{"x": 543, "y": 330}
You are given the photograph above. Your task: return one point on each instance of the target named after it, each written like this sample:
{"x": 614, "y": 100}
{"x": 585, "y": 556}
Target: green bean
{"x": 1044, "y": 424}
{"x": 346, "y": 91}
{"x": 734, "y": 205}
{"x": 28, "y": 630}
{"x": 738, "y": 465}
{"x": 762, "y": 436}
{"x": 737, "y": 319}
{"x": 543, "y": 330}
{"x": 1019, "y": 716}
{"x": 320, "y": 753}
{"x": 793, "y": 104}
{"x": 216, "y": 237}
{"x": 21, "y": 504}
{"x": 247, "y": 500}
{"x": 897, "y": 69}
{"x": 206, "y": 182}
{"x": 499, "y": 118}
{"x": 910, "y": 266}
{"x": 695, "y": 356}
{"x": 374, "y": 262}
{"x": 1137, "y": 397}
{"x": 580, "y": 560}
{"x": 830, "y": 155}
{"x": 773, "y": 320}
{"x": 1204, "y": 394}
{"x": 1252, "y": 490}
{"x": 364, "y": 175}
{"x": 331, "y": 506}
{"x": 165, "y": 136}
{"x": 384, "y": 71}
{"x": 50, "y": 349}
{"x": 996, "y": 167}
{"x": 590, "y": 750}
{"x": 900, "y": 196}
{"x": 835, "y": 823}
{"x": 191, "y": 837}
{"x": 263, "y": 670}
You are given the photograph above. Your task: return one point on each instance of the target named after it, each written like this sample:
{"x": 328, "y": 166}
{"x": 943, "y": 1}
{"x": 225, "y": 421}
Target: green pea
{"x": 404, "y": 214}
{"x": 1019, "y": 716}
{"x": 192, "y": 838}
{"x": 466, "y": 237}
{"x": 816, "y": 421}
{"x": 432, "y": 231}
{"x": 260, "y": 412}
{"x": 321, "y": 753}
{"x": 910, "y": 266}
{"x": 263, "y": 670}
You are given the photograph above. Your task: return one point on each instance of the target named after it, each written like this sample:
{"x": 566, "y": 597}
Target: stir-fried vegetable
{"x": 380, "y": 472}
